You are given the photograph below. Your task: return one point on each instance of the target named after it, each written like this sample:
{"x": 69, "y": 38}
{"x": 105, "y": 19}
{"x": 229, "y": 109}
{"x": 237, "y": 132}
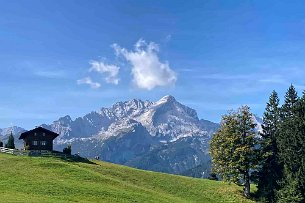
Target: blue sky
{"x": 72, "y": 57}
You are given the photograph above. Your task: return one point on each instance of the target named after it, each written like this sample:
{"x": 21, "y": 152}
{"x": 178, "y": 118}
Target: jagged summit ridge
{"x": 142, "y": 134}
{"x": 166, "y": 119}
{"x": 9, "y": 130}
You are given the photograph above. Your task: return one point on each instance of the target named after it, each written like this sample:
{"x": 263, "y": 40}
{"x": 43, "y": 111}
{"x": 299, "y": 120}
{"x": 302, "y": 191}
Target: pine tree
{"x": 288, "y": 128}
{"x": 291, "y": 98}
{"x": 270, "y": 171}
{"x": 290, "y": 190}
{"x": 233, "y": 148}
{"x": 292, "y": 148}
{"x": 10, "y": 143}
{"x": 1, "y": 143}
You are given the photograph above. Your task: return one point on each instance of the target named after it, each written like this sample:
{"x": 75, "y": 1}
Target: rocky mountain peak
{"x": 167, "y": 119}
{"x": 168, "y": 106}
{"x": 66, "y": 119}
{"x": 166, "y": 99}
{"x": 14, "y": 129}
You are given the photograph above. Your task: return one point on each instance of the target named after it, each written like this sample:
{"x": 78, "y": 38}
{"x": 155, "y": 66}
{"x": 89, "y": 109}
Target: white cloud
{"x": 111, "y": 71}
{"x": 50, "y": 73}
{"x": 88, "y": 81}
{"x": 274, "y": 79}
{"x": 147, "y": 70}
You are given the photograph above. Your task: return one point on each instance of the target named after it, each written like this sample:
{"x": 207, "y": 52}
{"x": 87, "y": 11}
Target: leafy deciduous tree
{"x": 234, "y": 148}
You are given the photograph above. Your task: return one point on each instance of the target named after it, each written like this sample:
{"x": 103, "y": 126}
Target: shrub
{"x": 213, "y": 176}
{"x": 67, "y": 150}
{"x": 27, "y": 147}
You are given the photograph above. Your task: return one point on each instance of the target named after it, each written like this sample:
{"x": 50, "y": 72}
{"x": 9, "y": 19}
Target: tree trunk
{"x": 247, "y": 185}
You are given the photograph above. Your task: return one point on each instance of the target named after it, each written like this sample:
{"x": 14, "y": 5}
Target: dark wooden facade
{"x": 38, "y": 139}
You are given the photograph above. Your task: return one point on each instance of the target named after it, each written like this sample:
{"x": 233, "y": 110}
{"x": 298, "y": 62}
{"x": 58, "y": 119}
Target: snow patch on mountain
{"x": 167, "y": 120}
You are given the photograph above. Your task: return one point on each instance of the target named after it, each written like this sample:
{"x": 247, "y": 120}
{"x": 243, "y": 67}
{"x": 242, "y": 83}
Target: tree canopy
{"x": 234, "y": 148}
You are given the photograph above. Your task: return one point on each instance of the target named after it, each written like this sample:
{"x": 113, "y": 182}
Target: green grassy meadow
{"x": 51, "y": 179}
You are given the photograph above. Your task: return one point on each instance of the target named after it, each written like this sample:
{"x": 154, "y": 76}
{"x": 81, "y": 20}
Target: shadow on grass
{"x": 253, "y": 196}
{"x": 64, "y": 157}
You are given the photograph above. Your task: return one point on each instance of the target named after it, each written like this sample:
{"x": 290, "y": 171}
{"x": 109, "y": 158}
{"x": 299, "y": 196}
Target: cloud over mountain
{"x": 88, "y": 81}
{"x": 111, "y": 71}
{"x": 146, "y": 68}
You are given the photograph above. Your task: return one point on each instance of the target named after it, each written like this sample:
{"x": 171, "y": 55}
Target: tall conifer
{"x": 291, "y": 148}
{"x": 291, "y": 99}
{"x": 270, "y": 171}
{"x": 10, "y": 143}
{"x": 288, "y": 127}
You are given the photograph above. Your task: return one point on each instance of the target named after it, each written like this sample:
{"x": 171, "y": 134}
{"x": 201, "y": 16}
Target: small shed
{"x": 38, "y": 139}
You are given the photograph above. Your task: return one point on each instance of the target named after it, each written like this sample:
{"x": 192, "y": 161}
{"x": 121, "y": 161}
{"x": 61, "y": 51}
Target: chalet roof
{"x": 38, "y": 129}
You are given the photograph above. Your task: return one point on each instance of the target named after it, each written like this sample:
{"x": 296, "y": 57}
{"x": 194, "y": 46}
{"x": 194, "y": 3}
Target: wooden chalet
{"x": 38, "y": 139}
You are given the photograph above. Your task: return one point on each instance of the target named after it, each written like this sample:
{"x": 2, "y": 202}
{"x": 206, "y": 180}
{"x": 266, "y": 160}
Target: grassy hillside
{"x": 49, "y": 179}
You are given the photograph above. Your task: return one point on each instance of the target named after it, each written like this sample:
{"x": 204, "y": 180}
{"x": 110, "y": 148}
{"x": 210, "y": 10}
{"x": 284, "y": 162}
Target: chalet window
{"x": 43, "y": 143}
{"x": 44, "y": 134}
{"x": 35, "y": 134}
{"x": 35, "y": 143}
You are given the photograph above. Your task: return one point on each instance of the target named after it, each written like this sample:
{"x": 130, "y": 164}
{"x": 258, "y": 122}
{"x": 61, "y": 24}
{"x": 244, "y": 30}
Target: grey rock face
{"x": 164, "y": 136}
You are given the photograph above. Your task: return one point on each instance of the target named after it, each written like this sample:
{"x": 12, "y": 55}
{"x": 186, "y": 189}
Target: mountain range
{"x": 164, "y": 136}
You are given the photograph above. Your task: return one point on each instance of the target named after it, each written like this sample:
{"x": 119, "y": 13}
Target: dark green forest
{"x": 274, "y": 159}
